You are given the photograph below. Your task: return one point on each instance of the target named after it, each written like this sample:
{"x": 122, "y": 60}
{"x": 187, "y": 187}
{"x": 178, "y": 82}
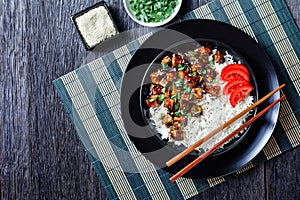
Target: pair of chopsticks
{"x": 224, "y": 140}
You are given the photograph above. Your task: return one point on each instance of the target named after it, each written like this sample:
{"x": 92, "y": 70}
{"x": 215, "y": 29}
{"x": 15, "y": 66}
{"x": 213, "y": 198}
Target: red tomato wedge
{"x": 239, "y": 94}
{"x": 234, "y": 85}
{"x": 235, "y": 66}
{"x": 235, "y": 72}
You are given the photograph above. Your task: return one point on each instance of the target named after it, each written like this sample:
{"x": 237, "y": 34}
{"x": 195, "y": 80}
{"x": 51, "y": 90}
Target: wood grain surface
{"x": 41, "y": 154}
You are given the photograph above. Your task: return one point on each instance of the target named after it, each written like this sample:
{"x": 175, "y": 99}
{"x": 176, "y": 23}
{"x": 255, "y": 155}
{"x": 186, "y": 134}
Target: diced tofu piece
{"x": 169, "y": 103}
{"x": 163, "y": 82}
{"x": 152, "y": 101}
{"x": 198, "y": 93}
{"x": 219, "y": 57}
{"x": 156, "y": 88}
{"x": 171, "y": 76}
{"x": 166, "y": 60}
{"x": 213, "y": 90}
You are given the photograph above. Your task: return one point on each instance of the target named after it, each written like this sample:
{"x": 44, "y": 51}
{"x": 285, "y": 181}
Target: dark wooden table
{"x": 41, "y": 155}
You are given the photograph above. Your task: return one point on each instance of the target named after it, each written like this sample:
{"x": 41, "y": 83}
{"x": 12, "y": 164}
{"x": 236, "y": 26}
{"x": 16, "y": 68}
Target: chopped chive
{"x": 191, "y": 95}
{"x": 216, "y": 79}
{"x": 164, "y": 90}
{"x": 161, "y": 97}
{"x": 174, "y": 97}
{"x": 189, "y": 115}
{"x": 189, "y": 89}
{"x": 153, "y": 11}
{"x": 178, "y": 82}
{"x": 181, "y": 125}
{"x": 178, "y": 113}
{"x": 203, "y": 71}
{"x": 178, "y": 97}
{"x": 160, "y": 116}
{"x": 182, "y": 67}
{"x": 176, "y": 106}
{"x": 164, "y": 66}
{"x": 152, "y": 100}
{"x": 193, "y": 74}
{"x": 192, "y": 53}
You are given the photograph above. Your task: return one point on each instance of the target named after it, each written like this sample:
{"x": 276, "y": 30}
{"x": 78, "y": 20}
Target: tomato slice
{"x": 239, "y": 94}
{"x": 234, "y": 74}
{"x": 234, "y": 85}
{"x": 235, "y": 66}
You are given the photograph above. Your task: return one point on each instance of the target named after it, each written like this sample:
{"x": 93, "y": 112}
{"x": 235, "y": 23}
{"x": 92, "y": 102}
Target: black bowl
{"x": 185, "y": 46}
{"x": 146, "y": 140}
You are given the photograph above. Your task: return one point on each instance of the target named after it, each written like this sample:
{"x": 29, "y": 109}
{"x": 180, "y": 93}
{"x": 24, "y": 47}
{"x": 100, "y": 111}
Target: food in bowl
{"x": 194, "y": 92}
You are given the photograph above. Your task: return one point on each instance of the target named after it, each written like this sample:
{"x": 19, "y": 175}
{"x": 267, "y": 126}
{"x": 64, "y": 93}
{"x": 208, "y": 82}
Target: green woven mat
{"x": 92, "y": 98}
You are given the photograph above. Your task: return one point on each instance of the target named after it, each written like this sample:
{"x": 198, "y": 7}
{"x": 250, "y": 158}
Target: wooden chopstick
{"x": 214, "y": 132}
{"x": 224, "y": 140}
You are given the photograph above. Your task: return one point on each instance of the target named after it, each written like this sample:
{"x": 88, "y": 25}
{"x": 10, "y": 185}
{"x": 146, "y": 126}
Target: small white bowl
{"x": 150, "y": 24}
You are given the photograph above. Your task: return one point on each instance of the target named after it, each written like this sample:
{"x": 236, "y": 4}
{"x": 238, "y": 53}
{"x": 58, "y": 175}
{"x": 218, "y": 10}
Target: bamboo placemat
{"x": 91, "y": 97}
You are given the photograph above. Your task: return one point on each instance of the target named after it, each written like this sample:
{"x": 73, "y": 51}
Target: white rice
{"x": 216, "y": 111}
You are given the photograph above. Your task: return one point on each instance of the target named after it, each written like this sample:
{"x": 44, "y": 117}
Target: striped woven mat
{"x": 91, "y": 97}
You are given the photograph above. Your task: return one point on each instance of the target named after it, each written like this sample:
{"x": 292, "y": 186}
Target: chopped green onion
{"x": 152, "y": 100}
{"x": 196, "y": 61}
{"x": 178, "y": 97}
{"x": 189, "y": 89}
{"x": 178, "y": 82}
{"x": 160, "y": 116}
{"x": 161, "y": 97}
{"x": 181, "y": 125}
{"x": 174, "y": 97}
{"x": 193, "y": 74}
{"x": 192, "y": 53}
{"x": 178, "y": 113}
{"x": 216, "y": 79}
{"x": 176, "y": 106}
{"x": 164, "y": 90}
{"x": 164, "y": 66}
{"x": 154, "y": 10}
{"x": 182, "y": 67}
{"x": 191, "y": 95}
{"x": 189, "y": 115}
{"x": 203, "y": 71}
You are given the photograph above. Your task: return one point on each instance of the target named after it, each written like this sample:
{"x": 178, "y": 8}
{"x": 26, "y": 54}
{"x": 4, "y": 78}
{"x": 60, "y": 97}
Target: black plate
{"x": 145, "y": 139}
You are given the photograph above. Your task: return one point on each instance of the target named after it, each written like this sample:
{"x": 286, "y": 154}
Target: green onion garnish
{"x": 176, "y": 106}
{"x": 161, "y": 97}
{"x": 192, "y": 53}
{"x": 164, "y": 66}
{"x": 178, "y": 113}
{"x": 174, "y": 97}
{"x": 152, "y": 100}
{"x": 178, "y": 82}
{"x": 153, "y": 10}
{"x": 189, "y": 115}
{"x": 160, "y": 116}
{"x": 193, "y": 74}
